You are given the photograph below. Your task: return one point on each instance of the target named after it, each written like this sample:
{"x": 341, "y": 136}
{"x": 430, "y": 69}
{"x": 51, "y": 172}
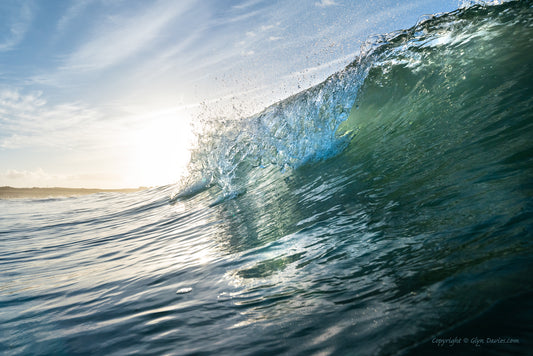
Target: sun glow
{"x": 158, "y": 149}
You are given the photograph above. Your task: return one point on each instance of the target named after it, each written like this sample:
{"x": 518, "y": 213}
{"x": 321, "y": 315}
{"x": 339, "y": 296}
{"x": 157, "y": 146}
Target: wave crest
{"x": 305, "y": 127}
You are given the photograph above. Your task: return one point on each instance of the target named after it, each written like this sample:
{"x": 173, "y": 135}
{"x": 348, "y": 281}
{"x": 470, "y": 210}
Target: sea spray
{"x": 305, "y": 127}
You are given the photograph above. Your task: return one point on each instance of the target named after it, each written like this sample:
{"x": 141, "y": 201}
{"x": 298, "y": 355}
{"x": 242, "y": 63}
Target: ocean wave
{"x": 306, "y": 126}
{"x": 385, "y": 208}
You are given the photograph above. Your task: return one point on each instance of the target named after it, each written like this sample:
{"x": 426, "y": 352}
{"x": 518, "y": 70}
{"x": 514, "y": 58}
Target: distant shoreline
{"x": 13, "y": 193}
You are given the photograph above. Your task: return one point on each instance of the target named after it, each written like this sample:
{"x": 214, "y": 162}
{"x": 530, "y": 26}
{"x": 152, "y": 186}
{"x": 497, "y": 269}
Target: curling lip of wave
{"x": 305, "y": 127}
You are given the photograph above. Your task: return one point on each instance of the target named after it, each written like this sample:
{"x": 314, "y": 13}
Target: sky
{"x": 102, "y": 93}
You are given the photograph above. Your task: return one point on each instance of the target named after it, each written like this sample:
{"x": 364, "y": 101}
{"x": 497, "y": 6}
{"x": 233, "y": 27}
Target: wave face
{"x": 300, "y": 129}
{"x": 444, "y": 65}
{"x": 377, "y": 213}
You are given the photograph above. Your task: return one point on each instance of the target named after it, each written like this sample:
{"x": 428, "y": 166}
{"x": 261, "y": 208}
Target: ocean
{"x": 385, "y": 211}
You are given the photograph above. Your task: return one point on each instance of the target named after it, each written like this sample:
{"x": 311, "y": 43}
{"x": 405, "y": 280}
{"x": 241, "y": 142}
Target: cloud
{"x": 72, "y": 13}
{"x": 247, "y": 4}
{"x": 35, "y": 177}
{"x": 255, "y": 39}
{"x": 26, "y": 120}
{"x": 38, "y": 174}
{"x": 123, "y": 36}
{"x": 42, "y": 178}
{"x": 17, "y": 25}
{"x": 29, "y": 121}
{"x": 324, "y": 3}
{"x": 267, "y": 27}
{"x": 236, "y": 18}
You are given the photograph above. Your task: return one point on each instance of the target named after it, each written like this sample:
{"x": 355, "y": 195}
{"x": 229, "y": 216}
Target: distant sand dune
{"x": 11, "y": 193}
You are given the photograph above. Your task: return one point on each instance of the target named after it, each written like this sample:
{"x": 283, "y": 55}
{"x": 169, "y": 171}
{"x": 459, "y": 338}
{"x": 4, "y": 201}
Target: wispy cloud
{"x": 246, "y": 4}
{"x": 15, "y": 26}
{"x": 261, "y": 34}
{"x": 123, "y": 36}
{"x": 72, "y": 13}
{"x": 27, "y": 121}
{"x": 44, "y": 178}
{"x": 34, "y": 175}
{"x": 324, "y": 3}
{"x": 237, "y": 18}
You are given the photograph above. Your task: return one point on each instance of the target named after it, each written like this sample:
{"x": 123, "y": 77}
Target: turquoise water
{"x": 386, "y": 211}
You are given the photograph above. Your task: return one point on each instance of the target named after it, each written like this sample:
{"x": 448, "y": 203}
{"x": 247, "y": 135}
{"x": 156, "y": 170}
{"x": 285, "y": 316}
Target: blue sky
{"x": 101, "y": 93}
